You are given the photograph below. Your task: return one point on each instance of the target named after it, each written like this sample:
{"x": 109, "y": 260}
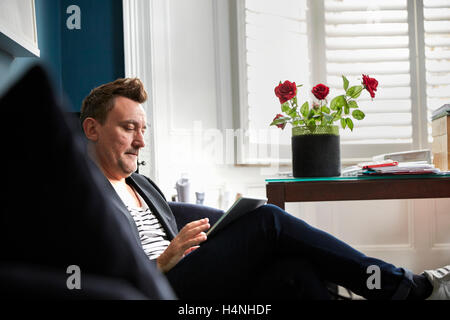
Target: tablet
{"x": 242, "y": 206}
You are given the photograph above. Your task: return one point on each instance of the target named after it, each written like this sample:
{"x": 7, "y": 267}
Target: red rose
{"x": 281, "y": 125}
{"x": 286, "y": 91}
{"x": 370, "y": 84}
{"x": 320, "y": 91}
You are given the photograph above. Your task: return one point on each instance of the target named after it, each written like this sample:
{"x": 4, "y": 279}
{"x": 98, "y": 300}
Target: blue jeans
{"x": 255, "y": 255}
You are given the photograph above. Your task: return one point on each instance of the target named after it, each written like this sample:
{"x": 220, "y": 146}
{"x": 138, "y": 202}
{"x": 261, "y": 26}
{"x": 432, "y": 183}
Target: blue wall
{"x": 78, "y": 60}
{"x": 48, "y": 20}
{"x": 93, "y": 55}
{"x": 5, "y": 63}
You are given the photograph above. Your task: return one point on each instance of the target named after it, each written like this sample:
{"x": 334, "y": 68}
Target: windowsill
{"x": 287, "y": 163}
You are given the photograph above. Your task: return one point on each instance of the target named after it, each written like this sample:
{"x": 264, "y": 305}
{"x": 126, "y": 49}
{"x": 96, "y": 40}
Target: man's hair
{"x": 101, "y": 99}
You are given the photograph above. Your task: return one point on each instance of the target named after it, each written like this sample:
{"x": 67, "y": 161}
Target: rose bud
{"x": 281, "y": 125}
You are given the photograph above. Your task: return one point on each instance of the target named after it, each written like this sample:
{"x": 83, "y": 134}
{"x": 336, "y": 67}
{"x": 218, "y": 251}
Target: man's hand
{"x": 185, "y": 242}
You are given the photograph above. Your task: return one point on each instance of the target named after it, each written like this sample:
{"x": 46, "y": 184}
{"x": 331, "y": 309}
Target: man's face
{"x": 120, "y": 138}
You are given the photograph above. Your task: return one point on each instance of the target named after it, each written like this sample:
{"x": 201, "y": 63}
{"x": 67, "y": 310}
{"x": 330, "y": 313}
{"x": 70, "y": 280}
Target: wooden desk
{"x": 280, "y": 191}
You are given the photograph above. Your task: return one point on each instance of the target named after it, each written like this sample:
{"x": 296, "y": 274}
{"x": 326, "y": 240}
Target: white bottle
{"x": 182, "y": 186}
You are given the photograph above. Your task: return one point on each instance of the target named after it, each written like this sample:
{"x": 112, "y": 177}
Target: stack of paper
{"x": 360, "y": 168}
{"x": 420, "y": 167}
{"x": 388, "y": 167}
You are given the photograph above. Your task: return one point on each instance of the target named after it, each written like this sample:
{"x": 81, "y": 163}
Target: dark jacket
{"x": 154, "y": 198}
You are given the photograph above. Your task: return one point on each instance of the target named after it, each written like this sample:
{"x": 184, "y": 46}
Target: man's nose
{"x": 138, "y": 141}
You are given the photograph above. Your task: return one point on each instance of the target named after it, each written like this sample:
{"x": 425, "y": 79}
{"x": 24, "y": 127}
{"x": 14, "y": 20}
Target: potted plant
{"x": 315, "y": 128}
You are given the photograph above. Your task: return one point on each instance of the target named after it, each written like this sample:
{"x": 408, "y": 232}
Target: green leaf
{"x": 347, "y": 109}
{"x": 358, "y": 115}
{"x": 343, "y": 123}
{"x": 312, "y": 125}
{"x": 349, "y": 123}
{"x": 338, "y": 102}
{"x": 352, "y": 104}
{"x": 304, "y": 109}
{"x": 345, "y": 83}
{"x": 325, "y": 109}
{"x": 311, "y": 114}
{"x": 285, "y": 107}
{"x": 328, "y": 118}
{"x": 355, "y": 91}
{"x": 339, "y": 113}
{"x": 292, "y": 113}
{"x": 300, "y": 85}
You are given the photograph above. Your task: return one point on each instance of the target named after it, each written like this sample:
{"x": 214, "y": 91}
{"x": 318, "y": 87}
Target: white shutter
{"x": 371, "y": 37}
{"x": 276, "y": 49}
{"x": 437, "y": 54}
{"x": 380, "y": 38}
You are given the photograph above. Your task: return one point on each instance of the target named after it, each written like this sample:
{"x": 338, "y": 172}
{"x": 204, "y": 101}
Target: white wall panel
{"x": 388, "y": 221}
{"x": 441, "y": 223}
{"x": 191, "y": 63}
{"x": 18, "y": 32}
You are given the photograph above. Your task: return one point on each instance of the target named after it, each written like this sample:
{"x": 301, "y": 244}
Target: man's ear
{"x": 90, "y": 128}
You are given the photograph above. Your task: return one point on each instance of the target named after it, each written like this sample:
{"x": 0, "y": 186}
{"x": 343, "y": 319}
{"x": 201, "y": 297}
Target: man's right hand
{"x": 185, "y": 242}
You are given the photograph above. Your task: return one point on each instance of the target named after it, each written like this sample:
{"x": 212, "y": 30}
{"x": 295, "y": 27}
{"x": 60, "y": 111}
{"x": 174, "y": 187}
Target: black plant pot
{"x": 316, "y": 154}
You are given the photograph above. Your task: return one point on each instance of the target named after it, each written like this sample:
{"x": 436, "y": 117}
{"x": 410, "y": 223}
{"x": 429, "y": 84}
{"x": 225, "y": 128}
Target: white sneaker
{"x": 440, "y": 279}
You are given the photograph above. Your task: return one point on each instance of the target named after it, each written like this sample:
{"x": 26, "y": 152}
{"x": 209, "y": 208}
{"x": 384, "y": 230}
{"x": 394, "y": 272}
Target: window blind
{"x": 276, "y": 43}
{"x": 437, "y": 54}
{"x": 372, "y": 37}
{"x": 349, "y": 37}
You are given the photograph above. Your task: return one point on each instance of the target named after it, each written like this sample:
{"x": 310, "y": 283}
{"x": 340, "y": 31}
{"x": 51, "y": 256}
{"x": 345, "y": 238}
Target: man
{"x": 267, "y": 240}
{"x": 56, "y": 215}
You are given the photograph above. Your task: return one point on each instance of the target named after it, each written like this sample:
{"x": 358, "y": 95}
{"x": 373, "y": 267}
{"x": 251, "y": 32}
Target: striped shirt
{"x": 151, "y": 233}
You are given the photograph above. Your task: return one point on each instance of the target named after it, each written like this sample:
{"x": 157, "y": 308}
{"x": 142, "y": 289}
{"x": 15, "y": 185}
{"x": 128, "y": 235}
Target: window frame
{"x": 350, "y": 153}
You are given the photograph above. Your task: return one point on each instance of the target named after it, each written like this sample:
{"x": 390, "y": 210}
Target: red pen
{"x": 378, "y": 165}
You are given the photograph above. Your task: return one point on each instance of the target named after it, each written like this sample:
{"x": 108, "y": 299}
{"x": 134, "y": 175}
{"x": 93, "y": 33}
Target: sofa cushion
{"x": 187, "y": 212}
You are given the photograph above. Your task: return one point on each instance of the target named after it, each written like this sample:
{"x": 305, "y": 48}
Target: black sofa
{"x": 32, "y": 280}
